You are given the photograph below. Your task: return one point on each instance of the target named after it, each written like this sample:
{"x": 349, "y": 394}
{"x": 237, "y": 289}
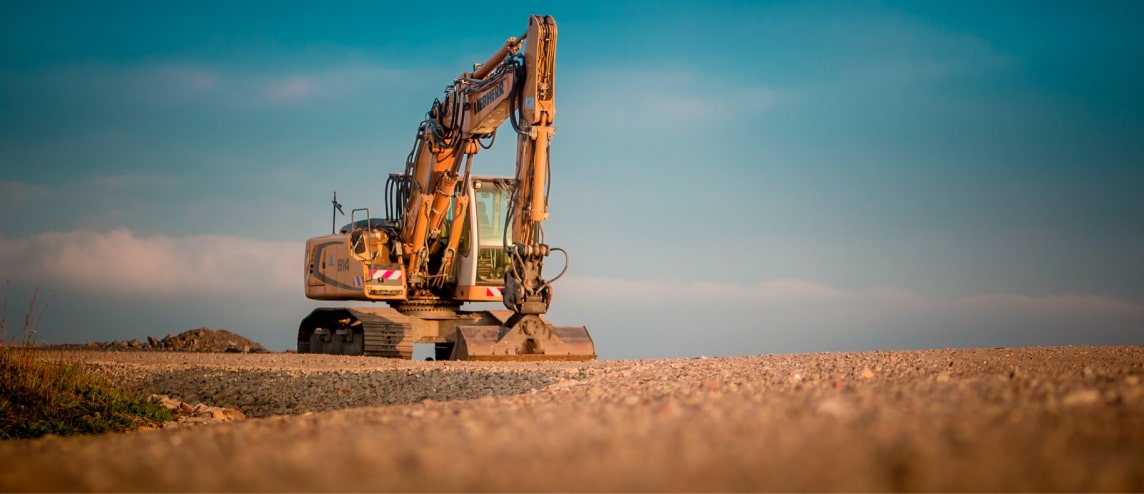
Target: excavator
{"x": 451, "y": 237}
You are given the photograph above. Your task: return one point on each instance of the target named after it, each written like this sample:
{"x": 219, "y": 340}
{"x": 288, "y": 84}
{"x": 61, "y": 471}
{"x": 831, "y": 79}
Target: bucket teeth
{"x": 524, "y": 337}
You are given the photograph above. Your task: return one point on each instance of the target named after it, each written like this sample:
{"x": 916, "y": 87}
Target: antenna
{"x": 337, "y": 209}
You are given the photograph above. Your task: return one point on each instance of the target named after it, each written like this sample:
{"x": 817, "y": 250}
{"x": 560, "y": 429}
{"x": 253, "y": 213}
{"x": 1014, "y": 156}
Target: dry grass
{"x": 41, "y": 395}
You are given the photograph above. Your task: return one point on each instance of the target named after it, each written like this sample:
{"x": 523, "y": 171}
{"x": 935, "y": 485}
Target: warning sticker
{"x": 385, "y": 274}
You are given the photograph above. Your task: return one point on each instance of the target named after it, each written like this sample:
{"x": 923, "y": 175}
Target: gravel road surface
{"x": 1028, "y": 419}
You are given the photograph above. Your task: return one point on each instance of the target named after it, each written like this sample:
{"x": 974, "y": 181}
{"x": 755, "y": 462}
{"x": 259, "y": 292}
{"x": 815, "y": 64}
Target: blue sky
{"x": 730, "y": 178}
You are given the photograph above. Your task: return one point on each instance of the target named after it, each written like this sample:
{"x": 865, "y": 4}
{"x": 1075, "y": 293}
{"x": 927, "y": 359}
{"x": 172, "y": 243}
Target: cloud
{"x": 173, "y": 78}
{"x": 893, "y": 73}
{"x": 884, "y": 50}
{"x": 830, "y": 301}
{"x": 167, "y": 84}
{"x": 128, "y": 183}
{"x": 123, "y": 264}
{"x": 15, "y": 191}
{"x": 254, "y": 204}
{"x": 657, "y": 318}
{"x": 237, "y": 282}
{"x": 118, "y": 284}
{"x": 98, "y": 202}
{"x": 677, "y": 97}
{"x": 290, "y": 89}
{"x": 283, "y": 88}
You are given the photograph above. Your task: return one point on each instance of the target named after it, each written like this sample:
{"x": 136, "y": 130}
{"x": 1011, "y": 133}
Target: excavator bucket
{"x": 524, "y": 337}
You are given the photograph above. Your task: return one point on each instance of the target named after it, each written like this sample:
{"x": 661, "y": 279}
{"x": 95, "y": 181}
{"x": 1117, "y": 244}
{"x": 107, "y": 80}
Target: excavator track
{"x": 478, "y": 335}
{"x": 387, "y": 333}
{"x": 356, "y": 331}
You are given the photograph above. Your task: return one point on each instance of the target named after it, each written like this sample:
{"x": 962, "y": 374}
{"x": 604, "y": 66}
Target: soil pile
{"x": 193, "y": 340}
{"x": 207, "y": 340}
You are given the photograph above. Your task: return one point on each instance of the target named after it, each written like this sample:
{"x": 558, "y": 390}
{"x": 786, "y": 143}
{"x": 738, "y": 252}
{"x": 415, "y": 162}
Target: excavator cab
{"x": 482, "y": 258}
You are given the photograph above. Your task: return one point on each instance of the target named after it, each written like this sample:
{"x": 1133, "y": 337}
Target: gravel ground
{"x": 1029, "y": 419}
{"x": 278, "y": 384}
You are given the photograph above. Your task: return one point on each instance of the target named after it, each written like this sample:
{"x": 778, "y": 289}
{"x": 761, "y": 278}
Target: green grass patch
{"x": 41, "y": 395}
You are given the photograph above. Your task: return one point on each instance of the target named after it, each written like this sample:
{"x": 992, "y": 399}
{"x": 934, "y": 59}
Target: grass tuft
{"x": 41, "y": 395}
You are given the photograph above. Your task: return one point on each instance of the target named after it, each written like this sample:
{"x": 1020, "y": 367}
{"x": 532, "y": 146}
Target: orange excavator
{"x": 450, "y": 237}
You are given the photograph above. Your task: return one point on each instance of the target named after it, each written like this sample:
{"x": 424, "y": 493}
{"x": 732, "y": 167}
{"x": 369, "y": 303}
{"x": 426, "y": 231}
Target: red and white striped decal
{"x": 493, "y": 292}
{"x": 385, "y": 274}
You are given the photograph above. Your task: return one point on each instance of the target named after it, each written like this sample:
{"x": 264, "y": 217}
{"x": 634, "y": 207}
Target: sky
{"x": 730, "y": 178}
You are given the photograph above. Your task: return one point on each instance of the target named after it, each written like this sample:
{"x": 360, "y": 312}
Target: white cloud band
{"x": 119, "y": 262}
{"x": 647, "y": 318}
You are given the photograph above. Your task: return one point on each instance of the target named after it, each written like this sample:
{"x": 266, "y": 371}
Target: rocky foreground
{"x": 1031, "y": 419}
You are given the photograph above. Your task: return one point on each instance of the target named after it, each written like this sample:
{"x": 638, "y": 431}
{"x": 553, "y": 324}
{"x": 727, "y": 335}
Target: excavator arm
{"x": 516, "y": 83}
{"x": 526, "y": 291}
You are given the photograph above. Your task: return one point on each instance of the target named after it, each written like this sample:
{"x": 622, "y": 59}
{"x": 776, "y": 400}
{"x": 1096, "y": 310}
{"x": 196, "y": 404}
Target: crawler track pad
{"x": 526, "y": 338}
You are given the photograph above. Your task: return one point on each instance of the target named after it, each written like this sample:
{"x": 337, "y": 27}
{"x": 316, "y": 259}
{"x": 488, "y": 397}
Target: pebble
{"x": 198, "y": 413}
{"x": 835, "y": 407}
{"x": 1081, "y": 397}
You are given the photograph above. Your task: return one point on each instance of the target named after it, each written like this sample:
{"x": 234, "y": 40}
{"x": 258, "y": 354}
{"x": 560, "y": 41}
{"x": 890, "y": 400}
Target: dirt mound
{"x": 192, "y": 340}
{"x": 206, "y": 340}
